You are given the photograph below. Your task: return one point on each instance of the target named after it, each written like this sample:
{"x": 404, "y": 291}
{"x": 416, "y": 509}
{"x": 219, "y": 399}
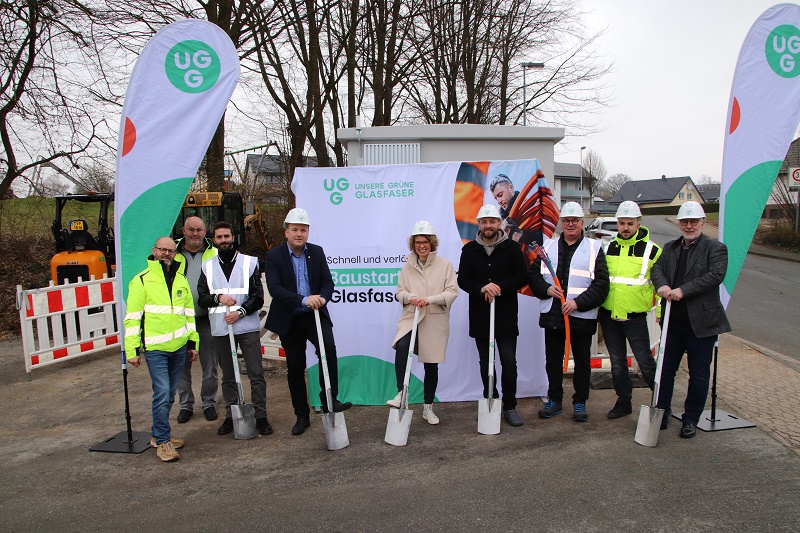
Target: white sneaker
{"x": 427, "y": 414}
{"x": 395, "y": 402}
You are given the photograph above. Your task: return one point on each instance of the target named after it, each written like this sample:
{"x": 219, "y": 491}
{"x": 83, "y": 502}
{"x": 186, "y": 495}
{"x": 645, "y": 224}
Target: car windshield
{"x": 612, "y": 226}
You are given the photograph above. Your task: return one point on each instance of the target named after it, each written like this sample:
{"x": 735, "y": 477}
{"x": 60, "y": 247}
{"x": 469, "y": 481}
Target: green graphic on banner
{"x": 783, "y": 50}
{"x": 192, "y": 66}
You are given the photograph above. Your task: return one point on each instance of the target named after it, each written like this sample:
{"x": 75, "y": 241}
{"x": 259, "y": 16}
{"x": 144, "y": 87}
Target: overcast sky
{"x": 673, "y": 67}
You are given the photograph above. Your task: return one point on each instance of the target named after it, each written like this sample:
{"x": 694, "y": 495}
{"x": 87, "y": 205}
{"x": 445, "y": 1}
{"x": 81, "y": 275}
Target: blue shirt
{"x": 300, "y": 276}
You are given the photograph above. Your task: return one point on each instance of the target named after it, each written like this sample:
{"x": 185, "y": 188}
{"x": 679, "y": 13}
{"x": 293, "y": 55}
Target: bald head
{"x": 164, "y": 250}
{"x": 194, "y": 233}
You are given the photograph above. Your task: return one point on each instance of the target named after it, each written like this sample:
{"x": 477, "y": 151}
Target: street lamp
{"x": 525, "y": 67}
{"x": 581, "y": 185}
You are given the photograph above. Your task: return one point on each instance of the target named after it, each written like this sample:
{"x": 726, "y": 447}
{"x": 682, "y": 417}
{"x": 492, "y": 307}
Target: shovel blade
{"x": 398, "y": 427}
{"x": 335, "y": 431}
{"x": 489, "y": 416}
{"x": 244, "y": 421}
{"x": 648, "y": 426}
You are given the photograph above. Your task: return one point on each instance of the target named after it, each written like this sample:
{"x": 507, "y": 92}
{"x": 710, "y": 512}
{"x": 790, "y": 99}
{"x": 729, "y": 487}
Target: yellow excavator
{"x": 81, "y": 254}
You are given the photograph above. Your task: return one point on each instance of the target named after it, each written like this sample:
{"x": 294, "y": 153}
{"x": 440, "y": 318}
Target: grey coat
{"x": 705, "y": 269}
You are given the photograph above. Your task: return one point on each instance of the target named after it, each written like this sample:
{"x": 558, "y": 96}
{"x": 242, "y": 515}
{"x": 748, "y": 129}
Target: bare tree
{"x": 609, "y": 186}
{"x": 95, "y": 178}
{"x": 44, "y": 115}
{"x": 705, "y": 179}
{"x": 595, "y": 172}
{"x": 785, "y": 199}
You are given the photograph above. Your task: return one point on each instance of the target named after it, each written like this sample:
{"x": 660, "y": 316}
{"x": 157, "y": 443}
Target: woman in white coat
{"x": 427, "y": 282}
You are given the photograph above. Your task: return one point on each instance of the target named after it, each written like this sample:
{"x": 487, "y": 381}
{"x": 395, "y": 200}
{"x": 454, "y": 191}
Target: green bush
{"x": 780, "y": 235}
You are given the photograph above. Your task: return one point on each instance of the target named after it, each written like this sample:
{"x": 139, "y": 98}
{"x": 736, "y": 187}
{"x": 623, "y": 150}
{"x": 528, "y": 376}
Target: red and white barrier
{"x": 62, "y": 322}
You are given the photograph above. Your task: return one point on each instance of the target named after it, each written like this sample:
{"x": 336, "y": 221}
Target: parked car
{"x": 604, "y": 228}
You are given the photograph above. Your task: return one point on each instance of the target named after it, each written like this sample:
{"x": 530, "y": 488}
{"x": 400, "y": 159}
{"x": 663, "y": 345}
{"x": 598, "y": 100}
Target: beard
{"x": 489, "y": 233}
{"x": 225, "y": 246}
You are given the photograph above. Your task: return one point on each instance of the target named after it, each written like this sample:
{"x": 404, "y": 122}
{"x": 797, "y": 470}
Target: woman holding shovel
{"x": 426, "y": 282}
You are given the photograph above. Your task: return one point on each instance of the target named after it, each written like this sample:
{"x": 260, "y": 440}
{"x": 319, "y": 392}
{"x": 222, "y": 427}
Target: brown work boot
{"x": 167, "y": 452}
{"x": 176, "y": 442}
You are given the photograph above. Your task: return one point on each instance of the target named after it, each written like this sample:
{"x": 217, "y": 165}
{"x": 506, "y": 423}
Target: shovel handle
{"x": 235, "y": 358}
{"x": 407, "y": 377}
{"x": 490, "y": 392}
{"x": 660, "y": 357}
{"x": 323, "y": 360}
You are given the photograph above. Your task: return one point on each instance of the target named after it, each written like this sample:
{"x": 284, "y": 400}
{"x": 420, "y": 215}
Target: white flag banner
{"x": 763, "y": 114}
{"x": 363, "y": 217}
{"x": 178, "y": 92}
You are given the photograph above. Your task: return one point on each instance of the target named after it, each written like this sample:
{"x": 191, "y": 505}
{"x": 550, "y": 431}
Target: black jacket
{"x": 506, "y": 268}
{"x": 592, "y": 297}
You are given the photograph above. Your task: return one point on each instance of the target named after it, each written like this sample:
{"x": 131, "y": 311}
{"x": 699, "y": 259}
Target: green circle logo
{"x": 192, "y": 66}
{"x": 783, "y": 51}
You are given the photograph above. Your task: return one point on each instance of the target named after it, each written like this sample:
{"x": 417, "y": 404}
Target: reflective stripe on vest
{"x": 237, "y": 286}
{"x": 641, "y": 280}
{"x": 581, "y": 274}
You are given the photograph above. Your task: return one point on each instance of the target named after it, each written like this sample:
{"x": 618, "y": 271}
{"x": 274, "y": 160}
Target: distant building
{"x": 269, "y": 177}
{"x": 567, "y": 184}
{"x": 658, "y": 193}
{"x": 709, "y": 192}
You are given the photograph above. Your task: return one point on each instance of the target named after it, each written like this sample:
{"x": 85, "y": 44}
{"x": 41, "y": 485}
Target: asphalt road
{"x": 764, "y": 308}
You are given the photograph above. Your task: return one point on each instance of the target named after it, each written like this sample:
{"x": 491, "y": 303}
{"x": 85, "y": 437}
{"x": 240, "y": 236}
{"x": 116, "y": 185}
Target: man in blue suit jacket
{"x": 299, "y": 280}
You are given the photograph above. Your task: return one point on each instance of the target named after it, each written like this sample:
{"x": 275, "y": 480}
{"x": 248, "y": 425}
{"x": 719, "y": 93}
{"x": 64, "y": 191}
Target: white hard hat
{"x": 296, "y": 216}
{"x": 691, "y": 209}
{"x": 628, "y": 209}
{"x": 571, "y": 209}
{"x": 423, "y": 227}
{"x": 488, "y": 211}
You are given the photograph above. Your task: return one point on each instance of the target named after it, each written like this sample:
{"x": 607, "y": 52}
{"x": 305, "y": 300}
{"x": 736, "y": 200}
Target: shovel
{"x": 243, "y": 414}
{"x": 400, "y": 419}
{"x": 333, "y": 423}
{"x": 649, "y": 424}
{"x": 489, "y": 407}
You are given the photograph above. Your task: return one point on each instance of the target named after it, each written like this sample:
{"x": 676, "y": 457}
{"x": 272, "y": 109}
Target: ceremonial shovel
{"x": 649, "y": 416}
{"x": 243, "y": 414}
{"x": 400, "y": 419}
{"x": 488, "y": 413}
{"x": 332, "y": 423}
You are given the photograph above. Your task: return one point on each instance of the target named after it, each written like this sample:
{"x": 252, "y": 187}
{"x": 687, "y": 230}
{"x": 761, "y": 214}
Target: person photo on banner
{"x": 427, "y": 282}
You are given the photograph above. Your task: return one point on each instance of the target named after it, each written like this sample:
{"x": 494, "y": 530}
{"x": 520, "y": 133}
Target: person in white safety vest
{"x": 623, "y": 316}
{"x": 580, "y": 265}
{"x": 230, "y": 288}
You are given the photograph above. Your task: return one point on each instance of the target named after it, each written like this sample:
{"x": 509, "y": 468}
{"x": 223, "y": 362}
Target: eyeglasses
{"x": 423, "y": 243}
{"x": 570, "y": 221}
{"x": 689, "y": 222}
{"x": 166, "y": 251}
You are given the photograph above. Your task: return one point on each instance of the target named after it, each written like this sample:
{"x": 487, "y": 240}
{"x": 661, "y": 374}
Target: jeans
{"x": 699, "y": 353}
{"x": 165, "y": 369}
{"x": 615, "y": 333}
{"x": 554, "y": 341}
{"x": 431, "y": 380}
{"x": 250, "y": 344}
{"x": 507, "y": 348}
{"x": 302, "y": 330}
{"x": 208, "y": 362}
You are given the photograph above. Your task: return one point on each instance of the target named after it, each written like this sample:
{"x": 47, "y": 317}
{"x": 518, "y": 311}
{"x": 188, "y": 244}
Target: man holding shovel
{"x": 300, "y": 282}
{"x": 623, "y": 316}
{"x": 230, "y": 288}
{"x": 689, "y": 273}
{"x": 160, "y": 318}
{"x": 492, "y": 267}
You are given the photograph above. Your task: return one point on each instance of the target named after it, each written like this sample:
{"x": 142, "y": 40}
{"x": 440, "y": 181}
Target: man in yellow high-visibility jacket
{"x": 623, "y": 316}
{"x": 160, "y": 318}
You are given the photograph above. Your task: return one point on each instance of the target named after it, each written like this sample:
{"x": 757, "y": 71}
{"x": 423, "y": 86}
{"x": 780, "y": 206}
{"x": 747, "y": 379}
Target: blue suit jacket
{"x": 282, "y": 285}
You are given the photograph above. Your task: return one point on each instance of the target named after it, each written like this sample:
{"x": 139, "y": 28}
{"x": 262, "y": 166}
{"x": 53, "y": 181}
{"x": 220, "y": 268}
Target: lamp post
{"x": 525, "y": 67}
{"x": 581, "y": 186}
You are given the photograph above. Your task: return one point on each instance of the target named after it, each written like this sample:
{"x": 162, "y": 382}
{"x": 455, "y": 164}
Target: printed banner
{"x": 763, "y": 114}
{"x": 363, "y": 217}
{"x": 179, "y": 89}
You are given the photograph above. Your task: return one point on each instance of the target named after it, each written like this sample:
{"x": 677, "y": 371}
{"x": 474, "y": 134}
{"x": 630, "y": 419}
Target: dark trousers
{"x": 554, "y": 340}
{"x": 250, "y": 344}
{"x": 699, "y": 353}
{"x": 507, "y": 348}
{"x": 304, "y": 329}
{"x": 635, "y": 332}
{"x": 400, "y": 360}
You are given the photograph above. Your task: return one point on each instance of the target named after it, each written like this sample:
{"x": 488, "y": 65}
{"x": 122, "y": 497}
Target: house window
{"x": 680, "y": 195}
{"x": 689, "y": 196}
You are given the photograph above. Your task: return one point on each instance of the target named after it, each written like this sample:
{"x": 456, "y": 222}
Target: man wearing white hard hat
{"x": 623, "y": 316}
{"x": 688, "y": 273}
{"x": 299, "y": 280}
{"x": 580, "y": 265}
{"x": 427, "y": 282}
{"x": 492, "y": 267}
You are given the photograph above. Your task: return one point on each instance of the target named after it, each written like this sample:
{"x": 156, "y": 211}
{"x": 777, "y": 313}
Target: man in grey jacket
{"x": 688, "y": 273}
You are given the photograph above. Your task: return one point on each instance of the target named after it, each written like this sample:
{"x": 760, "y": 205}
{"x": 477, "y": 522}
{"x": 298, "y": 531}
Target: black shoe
{"x": 184, "y": 416}
{"x": 621, "y": 408}
{"x": 665, "y": 420}
{"x": 226, "y": 427}
{"x": 263, "y": 426}
{"x": 210, "y": 413}
{"x": 338, "y": 406}
{"x": 300, "y": 426}
{"x": 512, "y": 417}
{"x": 688, "y": 430}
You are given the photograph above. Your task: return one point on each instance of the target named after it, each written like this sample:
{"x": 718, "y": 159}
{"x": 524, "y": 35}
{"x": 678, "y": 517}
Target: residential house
{"x": 268, "y": 175}
{"x": 566, "y": 184}
{"x": 658, "y": 192}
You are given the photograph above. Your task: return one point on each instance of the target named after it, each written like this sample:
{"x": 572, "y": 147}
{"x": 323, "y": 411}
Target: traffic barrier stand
{"x": 62, "y": 322}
